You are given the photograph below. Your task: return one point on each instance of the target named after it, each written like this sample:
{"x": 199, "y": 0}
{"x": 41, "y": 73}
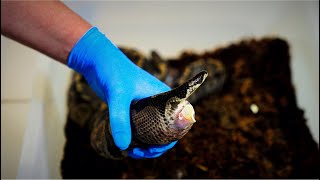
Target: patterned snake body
{"x": 165, "y": 117}
{"x": 156, "y": 120}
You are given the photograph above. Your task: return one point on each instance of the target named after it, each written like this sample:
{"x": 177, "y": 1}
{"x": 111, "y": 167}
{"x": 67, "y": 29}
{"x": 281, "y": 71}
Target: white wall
{"x": 33, "y": 88}
{"x": 33, "y": 112}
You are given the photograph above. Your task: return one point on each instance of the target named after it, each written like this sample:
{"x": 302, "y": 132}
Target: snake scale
{"x": 156, "y": 120}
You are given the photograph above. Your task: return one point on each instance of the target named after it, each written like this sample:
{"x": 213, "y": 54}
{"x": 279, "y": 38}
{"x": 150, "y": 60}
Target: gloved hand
{"x": 117, "y": 81}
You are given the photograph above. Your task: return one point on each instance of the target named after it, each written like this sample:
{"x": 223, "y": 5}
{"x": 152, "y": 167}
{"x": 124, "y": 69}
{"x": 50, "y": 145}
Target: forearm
{"x": 46, "y": 26}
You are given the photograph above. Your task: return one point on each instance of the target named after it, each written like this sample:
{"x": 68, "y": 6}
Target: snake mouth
{"x": 185, "y": 116}
{"x": 188, "y": 113}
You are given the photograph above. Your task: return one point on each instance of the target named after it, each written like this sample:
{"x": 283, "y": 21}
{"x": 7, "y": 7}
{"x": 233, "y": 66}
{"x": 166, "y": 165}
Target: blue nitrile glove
{"x": 117, "y": 81}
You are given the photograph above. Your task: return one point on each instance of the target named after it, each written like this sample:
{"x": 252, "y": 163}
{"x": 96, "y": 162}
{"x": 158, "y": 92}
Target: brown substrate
{"x": 251, "y": 128}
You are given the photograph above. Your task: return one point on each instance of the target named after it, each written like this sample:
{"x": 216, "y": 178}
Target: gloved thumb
{"x": 119, "y": 113}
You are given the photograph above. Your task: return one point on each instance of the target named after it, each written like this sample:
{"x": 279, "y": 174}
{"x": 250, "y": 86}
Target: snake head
{"x": 178, "y": 110}
{"x": 165, "y": 117}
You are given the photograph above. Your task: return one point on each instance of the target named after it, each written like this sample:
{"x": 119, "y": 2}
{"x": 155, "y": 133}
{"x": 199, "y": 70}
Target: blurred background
{"x": 33, "y": 87}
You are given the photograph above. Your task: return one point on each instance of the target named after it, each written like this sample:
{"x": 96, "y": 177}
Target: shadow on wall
{"x": 44, "y": 137}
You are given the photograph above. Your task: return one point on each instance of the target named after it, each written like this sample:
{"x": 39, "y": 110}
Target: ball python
{"x": 156, "y": 120}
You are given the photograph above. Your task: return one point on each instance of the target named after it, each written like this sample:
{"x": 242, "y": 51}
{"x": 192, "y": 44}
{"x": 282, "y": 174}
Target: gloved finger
{"x": 151, "y": 152}
{"x": 139, "y": 153}
{"x": 155, "y": 155}
{"x": 136, "y": 153}
{"x": 161, "y": 148}
{"x": 147, "y": 154}
{"x": 119, "y": 113}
